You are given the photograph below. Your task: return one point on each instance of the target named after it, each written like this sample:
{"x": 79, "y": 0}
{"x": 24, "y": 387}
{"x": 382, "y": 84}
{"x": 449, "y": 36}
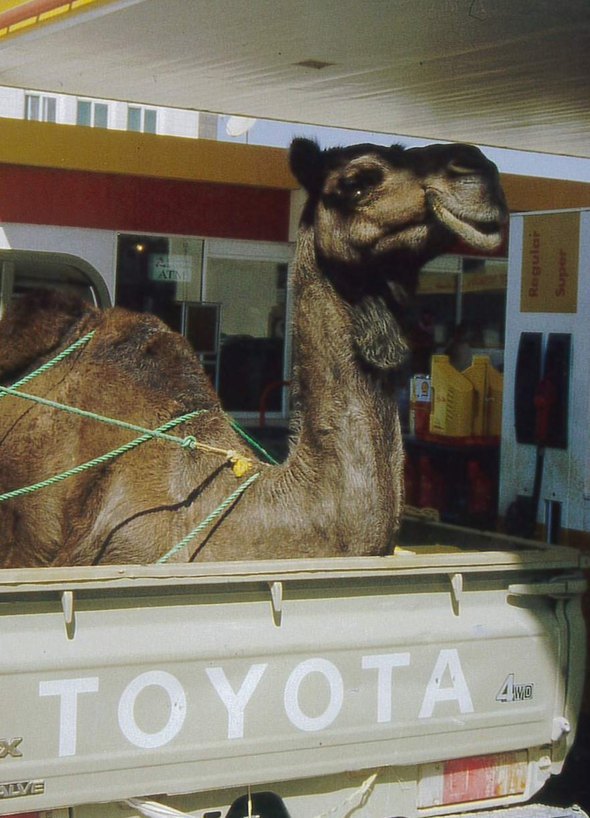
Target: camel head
{"x": 379, "y": 213}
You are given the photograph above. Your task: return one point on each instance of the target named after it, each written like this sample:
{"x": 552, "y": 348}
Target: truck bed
{"x": 449, "y": 675}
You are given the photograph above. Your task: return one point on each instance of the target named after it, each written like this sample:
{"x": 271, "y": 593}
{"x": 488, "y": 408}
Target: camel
{"x": 373, "y": 216}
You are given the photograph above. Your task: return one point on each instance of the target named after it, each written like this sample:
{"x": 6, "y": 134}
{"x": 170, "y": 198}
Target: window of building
{"x": 92, "y": 114}
{"x": 460, "y": 305}
{"x": 141, "y": 119}
{"x": 253, "y": 293}
{"x": 40, "y": 108}
{"x": 229, "y": 298}
{"x": 158, "y": 274}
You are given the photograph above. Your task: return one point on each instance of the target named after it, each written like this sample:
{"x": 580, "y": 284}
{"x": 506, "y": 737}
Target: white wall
{"x": 174, "y": 122}
{"x": 12, "y": 103}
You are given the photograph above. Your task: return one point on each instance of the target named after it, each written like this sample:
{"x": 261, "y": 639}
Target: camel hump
{"x": 35, "y": 325}
{"x": 160, "y": 361}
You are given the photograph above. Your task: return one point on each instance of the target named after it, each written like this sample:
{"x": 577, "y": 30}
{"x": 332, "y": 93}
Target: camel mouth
{"x": 410, "y": 235}
{"x": 481, "y": 234}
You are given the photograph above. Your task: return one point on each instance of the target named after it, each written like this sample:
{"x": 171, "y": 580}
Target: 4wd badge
{"x": 513, "y": 692}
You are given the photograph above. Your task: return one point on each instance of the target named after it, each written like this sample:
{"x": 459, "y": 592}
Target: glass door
{"x": 253, "y": 361}
{"x": 159, "y": 274}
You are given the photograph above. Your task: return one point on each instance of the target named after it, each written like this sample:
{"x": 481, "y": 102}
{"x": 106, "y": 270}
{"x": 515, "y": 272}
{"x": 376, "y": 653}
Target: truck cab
{"x": 22, "y": 270}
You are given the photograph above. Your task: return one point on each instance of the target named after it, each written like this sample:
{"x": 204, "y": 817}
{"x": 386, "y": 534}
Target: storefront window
{"x": 226, "y": 298}
{"x": 253, "y": 295}
{"x": 460, "y": 300}
{"x": 451, "y": 406}
{"x": 159, "y": 274}
{"x": 483, "y": 304}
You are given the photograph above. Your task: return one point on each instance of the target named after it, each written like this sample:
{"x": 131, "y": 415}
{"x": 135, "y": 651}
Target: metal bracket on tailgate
{"x": 276, "y": 598}
{"x": 456, "y": 591}
{"x": 69, "y": 609}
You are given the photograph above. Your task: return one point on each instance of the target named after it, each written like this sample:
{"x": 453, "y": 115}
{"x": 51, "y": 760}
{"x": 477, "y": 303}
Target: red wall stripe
{"x": 141, "y": 204}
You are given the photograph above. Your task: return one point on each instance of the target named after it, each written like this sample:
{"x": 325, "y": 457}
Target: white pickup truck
{"x": 443, "y": 679}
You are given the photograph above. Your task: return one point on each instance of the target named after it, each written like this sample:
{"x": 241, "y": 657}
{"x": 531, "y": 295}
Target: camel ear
{"x": 306, "y": 161}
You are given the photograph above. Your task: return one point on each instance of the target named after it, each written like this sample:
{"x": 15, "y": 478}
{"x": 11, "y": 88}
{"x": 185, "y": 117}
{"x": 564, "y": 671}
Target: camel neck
{"x": 337, "y": 396}
{"x": 348, "y": 447}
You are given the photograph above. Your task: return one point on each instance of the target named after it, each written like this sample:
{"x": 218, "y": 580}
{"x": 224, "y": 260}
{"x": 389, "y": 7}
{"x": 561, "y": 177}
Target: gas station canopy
{"x": 504, "y": 73}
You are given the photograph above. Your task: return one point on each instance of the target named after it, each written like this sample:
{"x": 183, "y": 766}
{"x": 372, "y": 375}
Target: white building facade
{"x": 64, "y": 109}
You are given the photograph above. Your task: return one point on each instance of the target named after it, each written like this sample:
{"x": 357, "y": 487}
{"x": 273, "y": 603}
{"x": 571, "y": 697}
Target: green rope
{"x": 58, "y": 358}
{"x": 146, "y": 434}
{"x": 223, "y": 506}
{"x": 97, "y": 461}
{"x": 254, "y": 443}
{"x": 122, "y": 424}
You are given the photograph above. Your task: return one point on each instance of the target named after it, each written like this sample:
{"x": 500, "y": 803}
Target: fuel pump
{"x": 545, "y": 451}
{"x": 541, "y": 420}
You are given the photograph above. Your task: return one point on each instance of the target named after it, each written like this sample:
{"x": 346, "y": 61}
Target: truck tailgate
{"x": 128, "y": 681}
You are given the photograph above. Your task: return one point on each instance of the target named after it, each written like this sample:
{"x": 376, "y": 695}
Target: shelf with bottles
{"x": 460, "y": 482}
{"x": 458, "y": 408}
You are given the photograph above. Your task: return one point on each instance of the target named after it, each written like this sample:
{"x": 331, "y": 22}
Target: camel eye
{"x": 353, "y": 187}
{"x": 356, "y": 186}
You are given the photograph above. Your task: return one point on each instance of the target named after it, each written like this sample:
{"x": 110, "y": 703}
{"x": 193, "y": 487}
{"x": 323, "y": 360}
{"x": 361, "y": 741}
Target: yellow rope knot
{"x": 240, "y": 465}
{"x": 189, "y": 442}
